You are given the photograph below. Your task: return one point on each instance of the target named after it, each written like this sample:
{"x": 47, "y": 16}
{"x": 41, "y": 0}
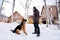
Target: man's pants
{"x": 37, "y": 29}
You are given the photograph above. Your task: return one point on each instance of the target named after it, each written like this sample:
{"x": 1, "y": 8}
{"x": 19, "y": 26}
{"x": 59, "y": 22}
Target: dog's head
{"x": 24, "y": 20}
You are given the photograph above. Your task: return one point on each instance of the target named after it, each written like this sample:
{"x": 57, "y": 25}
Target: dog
{"x": 20, "y": 27}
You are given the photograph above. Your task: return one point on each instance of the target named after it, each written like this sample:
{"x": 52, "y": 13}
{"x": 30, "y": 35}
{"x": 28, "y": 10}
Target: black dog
{"x": 19, "y": 27}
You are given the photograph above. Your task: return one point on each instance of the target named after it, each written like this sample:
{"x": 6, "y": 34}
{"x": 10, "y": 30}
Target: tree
{"x": 26, "y": 7}
{"x": 46, "y": 12}
{"x": 1, "y": 7}
{"x": 13, "y": 9}
{"x": 58, "y": 9}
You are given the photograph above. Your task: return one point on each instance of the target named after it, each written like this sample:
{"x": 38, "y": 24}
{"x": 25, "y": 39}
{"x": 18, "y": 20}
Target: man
{"x": 36, "y": 21}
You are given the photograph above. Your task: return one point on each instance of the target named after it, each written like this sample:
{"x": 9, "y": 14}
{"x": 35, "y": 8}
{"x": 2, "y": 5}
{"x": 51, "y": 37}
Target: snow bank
{"x": 47, "y": 33}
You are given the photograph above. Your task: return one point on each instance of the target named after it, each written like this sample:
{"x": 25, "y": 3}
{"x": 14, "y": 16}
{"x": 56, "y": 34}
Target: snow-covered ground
{"x": 47, "y": 33}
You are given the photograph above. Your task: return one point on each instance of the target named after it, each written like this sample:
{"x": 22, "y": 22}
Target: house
{"x": 16, "y": 17}
{"x": 30, "y": 19}
{"x": 51, "y": 10}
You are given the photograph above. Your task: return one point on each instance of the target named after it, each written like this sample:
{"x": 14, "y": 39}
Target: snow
{"x": 47, "y": 33}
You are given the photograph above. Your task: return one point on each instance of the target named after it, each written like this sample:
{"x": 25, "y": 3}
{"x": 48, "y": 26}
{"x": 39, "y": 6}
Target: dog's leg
{"x": 25, "y": 32}
{"x": 11, "y": 30}
{"x": 23, "y": 28}
{"x": 17, "y": 31}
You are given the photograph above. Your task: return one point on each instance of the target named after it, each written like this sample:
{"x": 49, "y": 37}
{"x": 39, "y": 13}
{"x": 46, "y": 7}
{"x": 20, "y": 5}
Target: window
{"x": 14, "y": 20}
{"x": 50, "y": 9}
{"x": 16, "y": 16}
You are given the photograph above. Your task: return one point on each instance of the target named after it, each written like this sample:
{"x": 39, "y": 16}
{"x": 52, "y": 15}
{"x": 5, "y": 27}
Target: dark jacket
{"x": 36, "y": 16}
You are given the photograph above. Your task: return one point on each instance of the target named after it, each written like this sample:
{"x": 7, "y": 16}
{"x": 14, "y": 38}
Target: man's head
{"x": 34, "y": 7}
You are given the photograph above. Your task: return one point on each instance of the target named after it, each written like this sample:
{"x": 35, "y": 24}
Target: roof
{"x": 17, "y": 13}
{"x": 47, "y": 6}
